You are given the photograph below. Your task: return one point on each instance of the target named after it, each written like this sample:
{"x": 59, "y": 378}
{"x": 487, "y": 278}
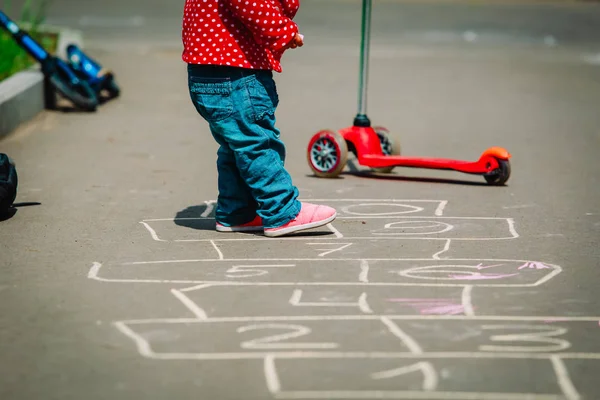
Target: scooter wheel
{"x": 390, "y": 146}
{"x": 500, "y": 175}
{"x": 68, "y": 85}
{"x": 113, "y": 89}
{"x": 327, "y": 154}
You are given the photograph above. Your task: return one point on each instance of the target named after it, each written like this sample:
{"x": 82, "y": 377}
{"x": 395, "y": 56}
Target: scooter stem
{"x": 361, "y": 118}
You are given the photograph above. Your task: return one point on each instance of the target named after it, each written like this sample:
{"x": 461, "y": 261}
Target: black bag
{"x": 8, "y": 183}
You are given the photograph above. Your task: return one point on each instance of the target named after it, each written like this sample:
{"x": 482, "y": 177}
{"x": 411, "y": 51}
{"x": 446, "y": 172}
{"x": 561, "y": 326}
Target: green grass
{"x": 13, "y": 58}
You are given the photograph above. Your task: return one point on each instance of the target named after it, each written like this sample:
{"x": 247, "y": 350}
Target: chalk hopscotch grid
{"x": 272, "y": 381}
{"x": 397, "y": 215}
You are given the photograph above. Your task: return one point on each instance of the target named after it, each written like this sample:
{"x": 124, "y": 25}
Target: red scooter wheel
{"x": 390, "y": 146}
{"x": 327, "y": 154}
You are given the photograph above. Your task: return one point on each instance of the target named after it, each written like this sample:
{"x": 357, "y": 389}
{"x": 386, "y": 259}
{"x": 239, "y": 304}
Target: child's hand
{"x": 297, "y": 41}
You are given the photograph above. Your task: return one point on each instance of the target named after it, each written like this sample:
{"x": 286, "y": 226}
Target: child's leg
{"x": 240, "y": 108}
{"x": 235, "y": 204}
{"x": 240, "y": 111}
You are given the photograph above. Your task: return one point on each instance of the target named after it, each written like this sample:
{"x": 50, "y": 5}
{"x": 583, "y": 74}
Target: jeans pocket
{"x": 263, "y": 96}
{"x": 212, "y": 97}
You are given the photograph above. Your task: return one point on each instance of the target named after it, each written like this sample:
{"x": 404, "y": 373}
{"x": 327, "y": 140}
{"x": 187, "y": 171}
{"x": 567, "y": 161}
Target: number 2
{"x": 272, "y": 342}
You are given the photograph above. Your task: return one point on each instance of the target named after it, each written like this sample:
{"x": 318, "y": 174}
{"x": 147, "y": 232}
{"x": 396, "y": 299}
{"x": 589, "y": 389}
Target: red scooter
{"x": 374, "y": 147}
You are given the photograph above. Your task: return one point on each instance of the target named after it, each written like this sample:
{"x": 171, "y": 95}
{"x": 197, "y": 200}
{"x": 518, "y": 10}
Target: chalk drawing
{"x": 436, "y": 256}
{"x": 275, "y": 338}
{"x": 432, "y": 306}
{"x": 273, "y": 342}
{"x": 340, "y": 247}
{"x": 324, "y": 386}
{"x": 407, "y": 209}
{"x": 430, "y": 380}
{"x": 420, "y": 228}
{"x": 364, "y": 271}
{"x": 412, "y": 345}
{"x": 210, "y": 206}
{"x": 467, "y": 303}
{"x": 337, "y": 233}
{"x": 563, "y": 378}
{"x": 428, "y": 275}
{"x": 217, "y": 249}
{"x": 362, "y": 304}
{"x": 247, "y": 271}
{"x": 534, "y": 265}
{"x": 545, "y": 335}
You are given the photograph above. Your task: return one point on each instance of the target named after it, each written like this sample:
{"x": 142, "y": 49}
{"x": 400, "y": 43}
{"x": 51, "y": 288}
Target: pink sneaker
{"x": 253, "y": 226}
{"x": 310, "y": 216}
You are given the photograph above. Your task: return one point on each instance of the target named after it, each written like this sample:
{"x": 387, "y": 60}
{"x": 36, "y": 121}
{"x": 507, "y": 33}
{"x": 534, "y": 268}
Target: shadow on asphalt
{"x": 11, "y": 212}
{"x": 191, "y": 217}
{"x": 368, "y": 174}
{"x": 371, "y": 175}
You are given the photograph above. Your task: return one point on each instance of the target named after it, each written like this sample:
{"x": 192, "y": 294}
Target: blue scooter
{"x": 99, "y": 78}
{"x": 82, "y": 80}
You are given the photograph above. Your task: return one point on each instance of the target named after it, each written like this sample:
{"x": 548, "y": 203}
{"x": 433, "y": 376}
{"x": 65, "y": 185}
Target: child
{"x": 232, "y": 48}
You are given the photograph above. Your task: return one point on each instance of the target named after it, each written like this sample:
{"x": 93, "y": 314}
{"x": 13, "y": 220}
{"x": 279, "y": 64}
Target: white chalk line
{"x": 430, "y": 380}
{"x": 335, "y": 231}
{"x": 358, "y": 217}
{"x": 363, "y": 317}
{"x": 217, "y": 249}
{"x": 563, "y": 378}
{"x": 348, "y": 284}
{"x": 511, "y": 227}
{"x": 142, "y": 345}
{"x": 406, "y": 339}
{"x": 467, "y": 302}
{"x": 362, "y": 304}
{"x": 197, "y": 287}
{"x": 153, "y": 233}
{"x": 94, "y": 271}
{"x": 210, "y": 205}
{"x": 344, "y": 245}
{"x": 364, "y": 271}
{"x": 554, "y": 345}
{"x": 271, "y": 377}
{"x": 412, "y": 209}
{"x": 436, "y": 256}
{"x": 439, "y": 211}
{"x": 327, "y": 260}
{"x": 193, "y": 307}
{"x": 145, "y": 351}
{"x": 370, "y": 238}
{"x": 411, "y": 395}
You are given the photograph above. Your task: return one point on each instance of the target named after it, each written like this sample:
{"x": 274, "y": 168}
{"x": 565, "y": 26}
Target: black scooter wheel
{"x": 113, "y": 89}
{"x": 499, "y": 176}
{"x": 390, "y": 146}
{"x": 77, "y": 91}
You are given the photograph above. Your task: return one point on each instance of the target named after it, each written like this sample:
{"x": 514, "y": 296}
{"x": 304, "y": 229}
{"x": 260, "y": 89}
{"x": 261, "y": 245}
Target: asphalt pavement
{"x": 429, "y": 285}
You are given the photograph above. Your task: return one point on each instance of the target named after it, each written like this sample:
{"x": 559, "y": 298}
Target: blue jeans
{"x": 239, "y": 106}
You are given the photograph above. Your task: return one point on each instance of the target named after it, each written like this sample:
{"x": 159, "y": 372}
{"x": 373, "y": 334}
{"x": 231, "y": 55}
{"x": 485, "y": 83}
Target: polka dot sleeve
{"x": 290, "y": 7}
{"x": 268, "y": 24}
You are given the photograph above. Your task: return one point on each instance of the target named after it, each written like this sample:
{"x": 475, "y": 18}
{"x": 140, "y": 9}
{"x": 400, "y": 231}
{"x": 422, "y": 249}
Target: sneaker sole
{"x": 299, "y": 228}
{"x": 240, "y": 229}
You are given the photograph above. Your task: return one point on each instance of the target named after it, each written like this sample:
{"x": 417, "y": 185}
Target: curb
{"x": 24, "y": 95}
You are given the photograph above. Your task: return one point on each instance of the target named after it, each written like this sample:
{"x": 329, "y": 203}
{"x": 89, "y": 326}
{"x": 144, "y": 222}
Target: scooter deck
{"x": 481, "y": 166}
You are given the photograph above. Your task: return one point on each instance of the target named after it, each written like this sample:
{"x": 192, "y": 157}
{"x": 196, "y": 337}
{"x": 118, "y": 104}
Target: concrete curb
{"x": 23, "y": 95}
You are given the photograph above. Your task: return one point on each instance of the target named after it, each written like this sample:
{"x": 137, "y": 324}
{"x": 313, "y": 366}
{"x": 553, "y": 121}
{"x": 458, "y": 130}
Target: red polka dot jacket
{"x": 243, "y": 33}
